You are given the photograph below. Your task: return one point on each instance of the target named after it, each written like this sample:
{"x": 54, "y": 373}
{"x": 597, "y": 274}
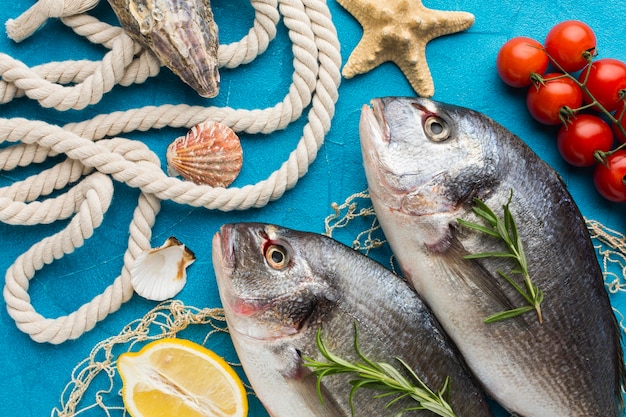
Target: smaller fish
{"x": 279, "y": 286}
{"x": 181, "y": 33}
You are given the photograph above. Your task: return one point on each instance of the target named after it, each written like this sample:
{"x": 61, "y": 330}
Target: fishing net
{"x": 168, "y": 319}
{"x": 611, "y": 248}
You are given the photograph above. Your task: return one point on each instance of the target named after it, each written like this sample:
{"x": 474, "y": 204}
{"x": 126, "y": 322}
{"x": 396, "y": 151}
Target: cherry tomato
{"x": 618, "y": 133}
{"x": 609, "y": 179}
{"x": 567, "y": 41}
{"x": 578, "y": 140}
{"x": 545, "y": 100}
{"x": 605, "y": 78}
{"x": 518, "y": 58}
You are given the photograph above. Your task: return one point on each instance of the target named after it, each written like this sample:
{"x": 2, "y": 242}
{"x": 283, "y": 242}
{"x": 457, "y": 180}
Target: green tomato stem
{"x": 568, "y": 112}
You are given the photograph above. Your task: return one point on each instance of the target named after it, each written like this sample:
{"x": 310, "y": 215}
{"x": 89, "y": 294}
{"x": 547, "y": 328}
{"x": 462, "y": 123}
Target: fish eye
{"x": 277, "y": 256}
{"x": 436, "y": 128}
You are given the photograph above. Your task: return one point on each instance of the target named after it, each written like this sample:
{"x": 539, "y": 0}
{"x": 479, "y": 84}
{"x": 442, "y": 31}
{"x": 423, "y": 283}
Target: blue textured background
{"x": 32, "y": 376}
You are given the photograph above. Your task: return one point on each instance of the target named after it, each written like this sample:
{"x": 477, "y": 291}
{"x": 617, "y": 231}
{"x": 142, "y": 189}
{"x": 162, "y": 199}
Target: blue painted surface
{"x": 32, "y": 376}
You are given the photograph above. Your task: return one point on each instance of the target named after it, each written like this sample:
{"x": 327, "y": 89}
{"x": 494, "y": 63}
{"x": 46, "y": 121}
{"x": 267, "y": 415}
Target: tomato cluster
{"x": 567, "y": 86}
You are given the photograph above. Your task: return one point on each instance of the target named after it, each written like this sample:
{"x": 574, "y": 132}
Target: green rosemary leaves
{"x": 382, "y": 377}
{"x": 506, "y": 230}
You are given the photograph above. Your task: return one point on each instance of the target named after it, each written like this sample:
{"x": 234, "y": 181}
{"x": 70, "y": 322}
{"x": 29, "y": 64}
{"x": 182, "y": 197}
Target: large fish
{"x": 425, "y": 162}
{"x": 279, "y": 286}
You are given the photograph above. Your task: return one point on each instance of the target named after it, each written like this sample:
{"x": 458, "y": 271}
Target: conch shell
{"x": 181, "y": 33}
{"x": 209, "y": 154}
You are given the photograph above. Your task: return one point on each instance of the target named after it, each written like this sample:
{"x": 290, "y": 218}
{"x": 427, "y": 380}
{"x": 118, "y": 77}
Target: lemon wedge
{"x": 176, "y": 377}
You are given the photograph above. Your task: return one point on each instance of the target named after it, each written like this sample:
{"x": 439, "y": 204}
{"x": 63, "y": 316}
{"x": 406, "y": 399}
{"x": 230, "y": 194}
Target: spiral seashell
{"x": 181, "y": 33}
{"x": 209, "y": 154}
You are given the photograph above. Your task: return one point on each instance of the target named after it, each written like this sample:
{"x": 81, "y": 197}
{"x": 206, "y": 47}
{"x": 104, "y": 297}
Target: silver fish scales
{"x": 424, "y": 162}
{"x": 279, "y": 286}
{"x": 182, "y": 34}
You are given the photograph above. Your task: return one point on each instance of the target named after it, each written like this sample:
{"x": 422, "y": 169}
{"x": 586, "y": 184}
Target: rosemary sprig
{"x": 506, "y": 230}
{"x": 380, "y": 376}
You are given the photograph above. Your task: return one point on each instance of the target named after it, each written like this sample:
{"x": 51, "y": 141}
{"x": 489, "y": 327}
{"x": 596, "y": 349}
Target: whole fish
{"x": 425, "y": 162}
{"x": 182, "y": 34}
{"x": 279, "y": 286}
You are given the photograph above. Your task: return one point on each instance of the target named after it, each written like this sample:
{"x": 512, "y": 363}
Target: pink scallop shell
{"x": 209, "y": 154}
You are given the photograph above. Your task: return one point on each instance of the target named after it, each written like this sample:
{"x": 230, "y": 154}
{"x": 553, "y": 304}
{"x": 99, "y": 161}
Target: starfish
{"x": 398, "y": 31}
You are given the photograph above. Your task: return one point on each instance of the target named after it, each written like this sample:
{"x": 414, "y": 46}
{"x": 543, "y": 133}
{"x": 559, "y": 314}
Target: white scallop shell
{"x": 159, "y": 274}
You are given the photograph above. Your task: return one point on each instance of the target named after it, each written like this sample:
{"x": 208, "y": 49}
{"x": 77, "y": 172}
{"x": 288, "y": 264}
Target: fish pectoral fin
{"x": 322, "y": 402}
{"x": 301, "y": 380}
{"x": 451, "y": 256}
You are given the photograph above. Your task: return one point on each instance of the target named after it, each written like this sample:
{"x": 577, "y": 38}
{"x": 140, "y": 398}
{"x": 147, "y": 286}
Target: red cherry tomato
{"x": 616, "y": 131}
{"x": 577, "y": 141}
{"x": 518, "y": 58}
{"x": 609, "y": 179}
{"x": 567, "y": 41}
{"x": 546, "y": 100}
{"x": 605, "y": 78}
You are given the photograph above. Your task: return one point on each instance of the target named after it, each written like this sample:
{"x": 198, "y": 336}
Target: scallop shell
{"x": 209, "y": 154}
{"x": 181, "y": 33}
{"x": 159, "y": 274}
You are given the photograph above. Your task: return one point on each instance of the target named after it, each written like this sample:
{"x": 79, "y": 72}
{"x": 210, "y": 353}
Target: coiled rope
{"x": 95, "y": 160}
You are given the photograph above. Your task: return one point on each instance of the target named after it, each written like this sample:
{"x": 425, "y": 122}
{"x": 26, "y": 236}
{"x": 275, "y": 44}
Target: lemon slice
{"x": 175, "y": 377}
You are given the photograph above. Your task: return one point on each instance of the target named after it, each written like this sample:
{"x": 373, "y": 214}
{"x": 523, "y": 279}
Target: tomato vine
{"x": 587, "y": 97}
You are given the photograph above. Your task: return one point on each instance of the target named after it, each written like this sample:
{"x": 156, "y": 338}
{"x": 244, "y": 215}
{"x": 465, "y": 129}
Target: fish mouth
{"x": 398, "y": 187}
{"x": 374, "y": 120}
{"x": 223, "y": 265}
{"x": 373, "y": 124}
{"x": 378, "y": 112}
{"x": 223, "y": 248}
{"x": 245, "y": 315}
{"x": 375, "y": 137}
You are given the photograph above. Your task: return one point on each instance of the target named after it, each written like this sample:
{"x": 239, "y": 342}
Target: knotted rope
{"x": 95, "y": 160}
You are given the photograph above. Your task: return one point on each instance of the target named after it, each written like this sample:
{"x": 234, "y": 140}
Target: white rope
{"x": 25, "y": 25}
{"x": 94, "y": 161}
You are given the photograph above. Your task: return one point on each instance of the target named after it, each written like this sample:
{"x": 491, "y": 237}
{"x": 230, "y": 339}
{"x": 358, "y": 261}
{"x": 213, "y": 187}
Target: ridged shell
{"x": 209, "y": 154}
{"x": 160, "y": 274}
{"x": 181, "y": 33}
